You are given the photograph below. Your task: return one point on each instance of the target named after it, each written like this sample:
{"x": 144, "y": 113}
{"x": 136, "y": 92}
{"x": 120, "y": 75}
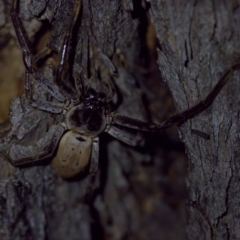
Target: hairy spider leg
{"x": 200, "y": 107}
{"x": 94, "y": 156}
{"x": 180, "y": 118}
{"x": 64, "y": 64}
{"x": 52, "y": 107}
{"x": 47, "y": 151}
{"x": 92, "y": 169}
{"x": 22, "y": 37}
{"x": 130, "y": 138}
{"x": 27, "y": 60}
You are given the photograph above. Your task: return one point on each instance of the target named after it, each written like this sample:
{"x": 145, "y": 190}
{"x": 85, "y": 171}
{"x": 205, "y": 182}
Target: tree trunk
{"x": 199, "y": 41}
{"x": 136, "y": 193}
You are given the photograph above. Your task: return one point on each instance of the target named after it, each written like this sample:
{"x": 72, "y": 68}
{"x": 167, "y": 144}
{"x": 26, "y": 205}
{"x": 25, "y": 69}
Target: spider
{"x": 74, "y": 142}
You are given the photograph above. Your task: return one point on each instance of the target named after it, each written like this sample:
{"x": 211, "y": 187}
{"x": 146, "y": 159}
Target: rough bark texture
{"x": 138, "y": 193}
{"x": 199, "y": 41}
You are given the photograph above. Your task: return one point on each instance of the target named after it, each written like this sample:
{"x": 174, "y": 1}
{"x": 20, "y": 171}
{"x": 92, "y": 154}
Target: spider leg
{"x": 78, "y": 85}
{"x": 63, "y": 66}
{"x": 130, "y": 138}
{"x": 20, "y": 155}
{"x": 92, "y": 169}
{"x": 179, "y": 118}
{"x": 128, "y": 122}
{"x": 22, "y": 37}
{"x": 94, "y": 156}
{"x": 52, "y": 107}
{"x": 200, "y": 107}
{"x": 28, "y": 60}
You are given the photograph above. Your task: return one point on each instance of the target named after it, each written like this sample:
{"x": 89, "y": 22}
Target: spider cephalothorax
{"x": 89, "y": 117}
{"x": 73, "y": 141}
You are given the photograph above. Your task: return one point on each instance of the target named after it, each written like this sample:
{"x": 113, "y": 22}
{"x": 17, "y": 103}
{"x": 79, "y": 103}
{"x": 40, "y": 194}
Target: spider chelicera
{"x": 73, "y": 143}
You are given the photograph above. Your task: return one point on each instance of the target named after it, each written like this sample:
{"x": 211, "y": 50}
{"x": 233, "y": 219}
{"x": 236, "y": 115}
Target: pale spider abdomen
{"x": 73, "y": 154}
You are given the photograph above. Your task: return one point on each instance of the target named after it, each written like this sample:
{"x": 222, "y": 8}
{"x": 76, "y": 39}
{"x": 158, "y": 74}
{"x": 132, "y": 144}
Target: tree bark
{"x": 138, "y": 193}
{"x": 133, "y": 195}
{"x": 199, "y": 41}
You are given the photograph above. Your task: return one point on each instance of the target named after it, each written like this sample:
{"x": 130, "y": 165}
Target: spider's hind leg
{"x": 21, "y": 155}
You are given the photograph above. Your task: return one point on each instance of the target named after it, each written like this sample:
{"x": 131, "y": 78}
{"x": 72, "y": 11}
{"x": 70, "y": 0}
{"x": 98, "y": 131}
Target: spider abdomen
{"x": 73, "y": 154}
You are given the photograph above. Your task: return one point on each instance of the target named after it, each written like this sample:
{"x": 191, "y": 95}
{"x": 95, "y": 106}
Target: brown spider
{"x": 74, "y": 141}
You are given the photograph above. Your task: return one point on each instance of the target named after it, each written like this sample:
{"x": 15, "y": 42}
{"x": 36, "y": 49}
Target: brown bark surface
{"x": 138, "y": 193}
{"x": 199, "y": 41}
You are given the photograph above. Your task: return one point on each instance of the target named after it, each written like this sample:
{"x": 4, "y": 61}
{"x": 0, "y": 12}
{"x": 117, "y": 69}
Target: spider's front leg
{"x": 63, "y": 67}
{"x": 47, "y": 106}
{"x": 49, "y": 86}
{"x": 180, "y": 118}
